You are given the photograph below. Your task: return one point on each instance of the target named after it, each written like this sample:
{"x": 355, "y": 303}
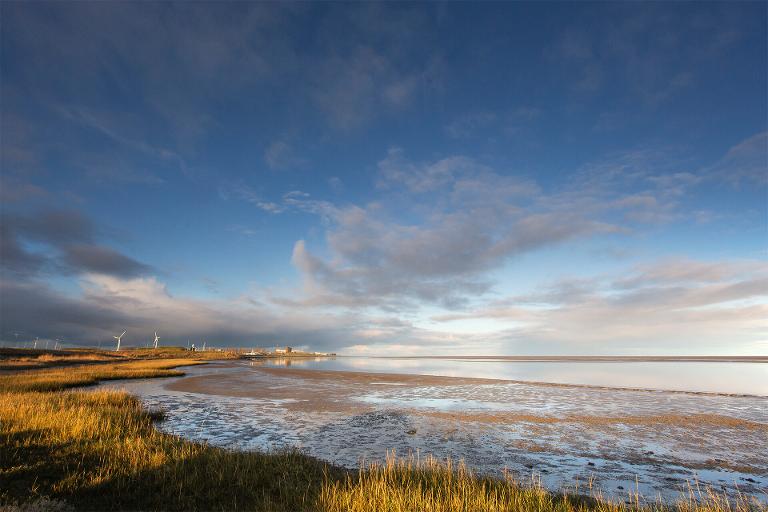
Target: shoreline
{"x": 373, "y": 378}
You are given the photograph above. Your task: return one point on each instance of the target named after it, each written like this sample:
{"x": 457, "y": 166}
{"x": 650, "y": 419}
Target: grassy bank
{"x": 99, "y": 450}
{"x": 57, "y": 379}
{"x": 12, "y": 359}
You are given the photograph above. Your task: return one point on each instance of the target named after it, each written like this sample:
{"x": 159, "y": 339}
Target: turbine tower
{"x": 157, "y": 338}
{"x": 118, "y": 338}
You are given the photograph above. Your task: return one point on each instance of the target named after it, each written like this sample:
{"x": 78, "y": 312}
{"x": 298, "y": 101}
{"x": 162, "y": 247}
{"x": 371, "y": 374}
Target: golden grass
{"x": 12, "y": 357}
{"x": 441, "y": 486}
{"x": 53, "y": 379}
{"x": 99, "y": 450}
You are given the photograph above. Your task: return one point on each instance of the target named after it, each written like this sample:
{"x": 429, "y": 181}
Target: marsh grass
{"x": 54, "y": 379}
{"x": 412, "y": 484}
{"x": 99, "y": 450}
{"x": 21, "y": 359}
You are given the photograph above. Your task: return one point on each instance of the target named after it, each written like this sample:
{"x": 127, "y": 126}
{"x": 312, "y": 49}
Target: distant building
{"x": 286, "y": 350}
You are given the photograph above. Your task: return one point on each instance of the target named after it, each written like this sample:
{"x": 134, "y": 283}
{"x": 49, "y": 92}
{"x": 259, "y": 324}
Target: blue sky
{"x": 536, "y": 178}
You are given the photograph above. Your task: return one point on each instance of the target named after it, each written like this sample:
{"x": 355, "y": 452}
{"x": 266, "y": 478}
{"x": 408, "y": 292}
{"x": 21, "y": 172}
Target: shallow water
{"x": 709, "y": 377}
{"x": 654, "y": 442}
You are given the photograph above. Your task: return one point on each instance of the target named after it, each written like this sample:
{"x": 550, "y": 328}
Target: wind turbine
{"x": 118, "y": 338}
{"x": 157, "y": 338}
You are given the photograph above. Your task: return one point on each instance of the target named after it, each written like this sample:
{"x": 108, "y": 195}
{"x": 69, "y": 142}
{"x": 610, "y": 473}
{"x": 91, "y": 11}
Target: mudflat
{"x": 560, "y": 433}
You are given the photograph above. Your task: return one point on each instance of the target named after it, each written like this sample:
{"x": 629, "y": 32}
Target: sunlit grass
{"x": 99, "y": 450}
{"x": 53, "y": 379}
{"x": 409, "y": 484}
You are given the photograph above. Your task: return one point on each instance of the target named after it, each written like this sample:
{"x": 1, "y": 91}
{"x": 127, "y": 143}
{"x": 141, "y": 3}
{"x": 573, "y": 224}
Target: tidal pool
{"x": 622, "y": 440}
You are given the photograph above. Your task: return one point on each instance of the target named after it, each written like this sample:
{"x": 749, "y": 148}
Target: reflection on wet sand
{"x": 287, "y": 361}
{"x": 562, "y": 434}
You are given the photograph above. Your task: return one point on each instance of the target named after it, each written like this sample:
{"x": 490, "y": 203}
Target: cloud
{"x": 13, "y": 191}
{"x": 106, "y": 305}
{"x": 443, "y": 253}
{"x": 467, "y": 125}
{"x": 281, "y": 155}
{"x": 64, "y": 242}
{"x": 576, "y": 49}
{"x": 382, "y": 63}
{"x": 351, "y": 88}
{"x": 654, "y": 53}
{"x": 686, "y": 304}
{"x": 746, "y": 162}
{"x": 462, "y": 177}
{"x": 103, "y": 260}
{"x": 442, "y": 227}
{"x": 14, "y": 258}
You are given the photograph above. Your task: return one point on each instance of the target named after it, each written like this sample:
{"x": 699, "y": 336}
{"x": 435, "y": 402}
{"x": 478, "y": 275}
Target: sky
{"x": 387, "y": 179}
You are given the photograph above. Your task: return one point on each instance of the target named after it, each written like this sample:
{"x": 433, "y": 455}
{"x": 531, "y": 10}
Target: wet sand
{"x": 562, "y": 434}
{"x": 195, "y": 385}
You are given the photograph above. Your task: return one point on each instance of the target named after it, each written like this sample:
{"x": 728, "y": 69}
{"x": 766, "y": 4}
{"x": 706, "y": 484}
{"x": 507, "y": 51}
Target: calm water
{"x": 709, "y": 377}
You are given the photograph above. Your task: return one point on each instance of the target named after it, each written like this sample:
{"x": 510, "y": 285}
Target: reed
{"x": 99, "y": 450}
{"x": 413, "y": 484}
{"x": 53, "y": 379}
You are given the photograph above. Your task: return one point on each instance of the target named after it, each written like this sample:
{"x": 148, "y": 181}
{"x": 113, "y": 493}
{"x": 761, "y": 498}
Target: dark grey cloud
{"x": 36, "y": 309}
{"x": 103, "y": 260}
{"x": 141, "y": 306}
{"x": 68, "y": 241}
{"x": 13, "y": 257}
{"x": 14, "y": 190}
{"x": 55, "y": 227}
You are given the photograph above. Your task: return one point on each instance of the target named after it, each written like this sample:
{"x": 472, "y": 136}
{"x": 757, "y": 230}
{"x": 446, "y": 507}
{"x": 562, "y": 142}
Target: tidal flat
{"x": 569, "y": 437}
